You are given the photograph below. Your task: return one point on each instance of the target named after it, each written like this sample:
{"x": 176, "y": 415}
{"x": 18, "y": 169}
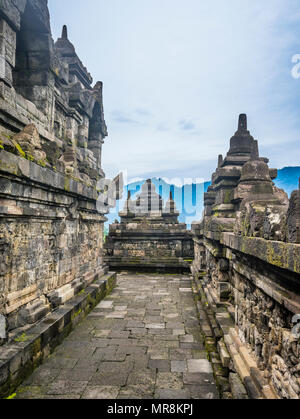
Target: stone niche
{"x": 52, "y": 130}
{"x": 149, "y": 236}
{"x": 247, "y": 261}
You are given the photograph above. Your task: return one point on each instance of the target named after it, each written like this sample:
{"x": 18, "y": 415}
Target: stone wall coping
{"x": 280, "y": 254}
{"x": 21, "y": 167}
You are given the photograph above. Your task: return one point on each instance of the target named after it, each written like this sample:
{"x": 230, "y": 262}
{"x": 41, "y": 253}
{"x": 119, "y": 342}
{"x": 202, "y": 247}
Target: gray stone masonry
{"x": 247, "y": 267}
{"x": 52, "y": 196}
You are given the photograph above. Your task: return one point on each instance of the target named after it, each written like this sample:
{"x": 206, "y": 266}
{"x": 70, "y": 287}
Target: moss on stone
{"x": 20, "y": 151}
{"x": 29, "y": 157}
{"x": 42, "y": 163}
{"x": 227, "y": 198}
{"x": 21, "y": 338}
{"x": 12, "y": 396}
{"x": 36, "y": 347}
{"x": 76, "y": 314}
{"x": 67, "y": 184}
{"x": 91, "y": 301}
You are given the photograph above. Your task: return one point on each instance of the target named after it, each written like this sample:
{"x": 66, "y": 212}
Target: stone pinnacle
{"x": 220, "y": 160}
{"x": 64, "y": 34}
{"x": 242, "y": 122}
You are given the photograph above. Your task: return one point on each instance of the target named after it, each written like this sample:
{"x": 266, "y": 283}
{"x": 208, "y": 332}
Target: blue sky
{"x": 177, "y": 73}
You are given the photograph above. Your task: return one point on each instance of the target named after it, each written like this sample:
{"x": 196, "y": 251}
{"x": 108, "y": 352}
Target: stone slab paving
{"x": 142, "y": 342}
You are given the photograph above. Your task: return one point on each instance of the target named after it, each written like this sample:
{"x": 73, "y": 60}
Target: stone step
{"x": 224, "y": 354}
{"x": 224, "y": 321}
{"x": 28, "y": 349}
{"x": 237, "y": 387}
{"x": 229, "y": 344}
{"x": 247, "y": 358}
{"x": 209, "y": 296}
{"x": 35, "y": 311}
{"x": 231, "y": 311}
{"x": 231, "y": 349}
{"x": 240, "y": 366}
{"x": 235, "y": 339}
{"x": 65, "y": 293}
{"x": 253, "y": 379}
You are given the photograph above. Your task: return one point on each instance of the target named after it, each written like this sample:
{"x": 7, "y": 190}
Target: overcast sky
{"x": 177, "y": 73}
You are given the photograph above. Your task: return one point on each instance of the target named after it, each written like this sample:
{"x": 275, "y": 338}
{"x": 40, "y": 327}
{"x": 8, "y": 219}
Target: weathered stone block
{"x": 238, "y": 390}
{"x": 7, "y": 51}
{"x": 33, "y": 312}
{"x": 7, "y": 32}
{"x": 12, "y": 12}
{"x": 3, "y": 68}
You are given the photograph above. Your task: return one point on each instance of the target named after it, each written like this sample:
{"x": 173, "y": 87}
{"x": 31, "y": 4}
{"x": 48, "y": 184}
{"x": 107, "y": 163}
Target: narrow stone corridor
{"x": 141, "y": 342}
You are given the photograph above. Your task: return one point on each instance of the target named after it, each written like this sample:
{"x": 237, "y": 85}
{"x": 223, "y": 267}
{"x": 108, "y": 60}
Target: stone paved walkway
{"x": 141, "y": 342}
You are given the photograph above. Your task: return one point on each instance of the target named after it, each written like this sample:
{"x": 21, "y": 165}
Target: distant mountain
{"x": 189, "y": 198}
{"x": 288, "y": 179}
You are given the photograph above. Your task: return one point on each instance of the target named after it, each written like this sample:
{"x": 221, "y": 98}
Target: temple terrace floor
{"x": 141, "y": 342}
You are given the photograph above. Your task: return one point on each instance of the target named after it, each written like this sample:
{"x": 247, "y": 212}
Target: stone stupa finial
{"x": 220, "y": 161}
{"x": 170, "y": 208}
{"x": 64, "y": 34}
{"x": 243, "y": 126}
{"x": 242, "y": 141}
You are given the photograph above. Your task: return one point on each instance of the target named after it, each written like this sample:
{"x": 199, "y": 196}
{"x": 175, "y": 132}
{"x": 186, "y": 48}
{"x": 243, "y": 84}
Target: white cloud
{"x": 198, "y": 63}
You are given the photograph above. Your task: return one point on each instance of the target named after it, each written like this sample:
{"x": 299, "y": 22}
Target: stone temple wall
{"x": 52, "y": 130}
{"x": 247, "y": 266}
